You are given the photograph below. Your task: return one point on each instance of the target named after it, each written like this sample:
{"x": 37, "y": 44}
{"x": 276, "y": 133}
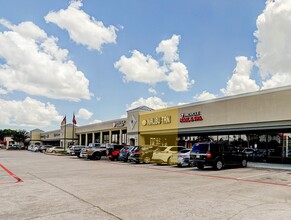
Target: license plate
{"x": 197, "y": 156}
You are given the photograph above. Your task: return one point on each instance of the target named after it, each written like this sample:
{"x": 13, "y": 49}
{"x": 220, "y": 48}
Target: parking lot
{"x": 40, "y": 186}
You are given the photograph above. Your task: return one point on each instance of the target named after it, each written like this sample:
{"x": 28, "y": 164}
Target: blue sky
{"x": 101, "y": 58}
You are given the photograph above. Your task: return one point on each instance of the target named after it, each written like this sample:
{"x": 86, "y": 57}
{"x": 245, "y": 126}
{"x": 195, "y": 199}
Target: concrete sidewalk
{"x": 274, "y": 166}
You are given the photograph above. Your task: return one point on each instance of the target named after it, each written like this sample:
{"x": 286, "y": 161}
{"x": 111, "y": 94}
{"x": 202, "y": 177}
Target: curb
{"x": 56, "y": 154}
{"x": 269, "y": 167}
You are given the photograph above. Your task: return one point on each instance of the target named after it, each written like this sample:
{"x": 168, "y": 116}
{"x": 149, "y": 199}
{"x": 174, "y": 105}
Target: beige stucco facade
{"x": 264, "y": 109}
{"x": 267, "y": 110}
{"x": 104, "y": 132}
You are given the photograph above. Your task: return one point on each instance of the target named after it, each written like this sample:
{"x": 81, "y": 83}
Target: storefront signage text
{"x": 157, "y": 121}
{"x": 191, "y": 117}
{"x": 119, "y": 124}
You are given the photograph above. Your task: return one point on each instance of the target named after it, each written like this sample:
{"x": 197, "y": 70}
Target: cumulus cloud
{"x": 27, "y": 113}
{"x": 183, "y": 103}
{"x": 82, "y": 28}
{"x": 170, "y": 49}
{"x": 205, "y": 96}
{"x": 84, "y": 114}
{"x": 141, "y": 68}
{"x": 152, "y": 90}
{"x": 240, "y": 82}
{"x": 3, "y": 91}
{"x": 273, "y": 44}
{"x": 95, "y": 121}
{"x": 34, "y": 64}
{"x": 145, "y": 69}
{"x": 152, "y": 102}
{"x": 178, "y": 78}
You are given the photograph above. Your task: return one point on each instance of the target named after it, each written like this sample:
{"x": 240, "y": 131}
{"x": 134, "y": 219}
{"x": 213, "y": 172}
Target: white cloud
{"x": 240, "y": 82}
{"x": 170, "y": 49}
{"x": 273, "y": 44}
{"x": 3, "y": 91}
{"x": 277, "y": 80}
{"x": 95, "y": 121}
{"x": 28, "y": 113}
{"x": 34, "y": 64}
{"x": 205, "y": 96}
{"x": 152, "y": 102}
{"x": 140, "y": 68}
{"x": 152, "y": 90}
{"x": 82, "y": 28}
{"x": 123, "y": 116}
{"x": 146, "y": 69}
{"x": 178, "y": 78}
{"x": 84, "y": 114}
{"x": 183, "y": 103}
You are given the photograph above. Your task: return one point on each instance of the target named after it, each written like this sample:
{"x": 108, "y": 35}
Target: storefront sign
{"x": 191, "y": 117}
{"x": 44, "y": 136}
{"x": 157, "y": 121}
{"x": 119, "y": 124}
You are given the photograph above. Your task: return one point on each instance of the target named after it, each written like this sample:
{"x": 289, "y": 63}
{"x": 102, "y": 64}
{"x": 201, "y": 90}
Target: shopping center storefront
{"x": 259, "y": 120}
{"x": 114, "y": 131}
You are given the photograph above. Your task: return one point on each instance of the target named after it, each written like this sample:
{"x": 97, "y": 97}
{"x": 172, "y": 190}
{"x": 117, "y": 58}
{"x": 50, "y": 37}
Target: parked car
{"x": 142, "y": 154}
{"x": 217, "y": 155}
{"x": 250, "y": 153}
{"x": 56, "y": 149}
{"x": 113, "y": 151}
{"x": 13, "y": 147}
{"x": 83, "y": 152}
{"x": 125, "y": 152}
{"x": 76, "y": 150}
{"x": 183, "y": 158}
{"x": 43, "y": 148}
{"x": 30, "y": 147}
{"x": 95, "y": 151}
{"x": 167, "y": 154}
{"x": 35, "y": 148}
{"x": 261, "y": 155}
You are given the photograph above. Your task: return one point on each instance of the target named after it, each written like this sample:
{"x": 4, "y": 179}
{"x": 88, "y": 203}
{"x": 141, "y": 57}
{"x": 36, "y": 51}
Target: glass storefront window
{"x": 287, "y": 144}
{"x": 275, "y": 145}
{"x": 222, "y": 137}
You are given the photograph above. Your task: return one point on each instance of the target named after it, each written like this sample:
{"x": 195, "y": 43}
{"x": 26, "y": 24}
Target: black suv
{"x": 217, "y": 155}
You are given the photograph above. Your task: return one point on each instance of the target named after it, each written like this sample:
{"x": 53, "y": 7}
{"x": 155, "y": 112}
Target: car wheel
{"x": 78, "y": 156}
{"x": 244, "y": 163}
{"x": 97, "y": 157}
{"x": 147, "y": 159}
{"x": 179, "y": 165}
{"x": 200, "y": 166}
{"x": 112, "y": 159}
{"x": 218, "y": 165}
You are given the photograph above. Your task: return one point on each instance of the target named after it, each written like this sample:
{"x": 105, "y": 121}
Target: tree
{"x": 5, "y": 133}
{"x": 20, "y": 136}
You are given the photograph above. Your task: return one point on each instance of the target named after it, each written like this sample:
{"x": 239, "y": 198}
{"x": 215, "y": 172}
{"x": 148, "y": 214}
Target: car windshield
{"x": 184, "y": 151}
{"x": 200, "y": 148}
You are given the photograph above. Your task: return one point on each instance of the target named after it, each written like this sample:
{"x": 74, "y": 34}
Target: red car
{"x": 113, "y": 151}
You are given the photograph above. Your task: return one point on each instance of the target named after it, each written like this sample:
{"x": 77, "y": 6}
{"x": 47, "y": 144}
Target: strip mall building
{"x": 260, "y": 120}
